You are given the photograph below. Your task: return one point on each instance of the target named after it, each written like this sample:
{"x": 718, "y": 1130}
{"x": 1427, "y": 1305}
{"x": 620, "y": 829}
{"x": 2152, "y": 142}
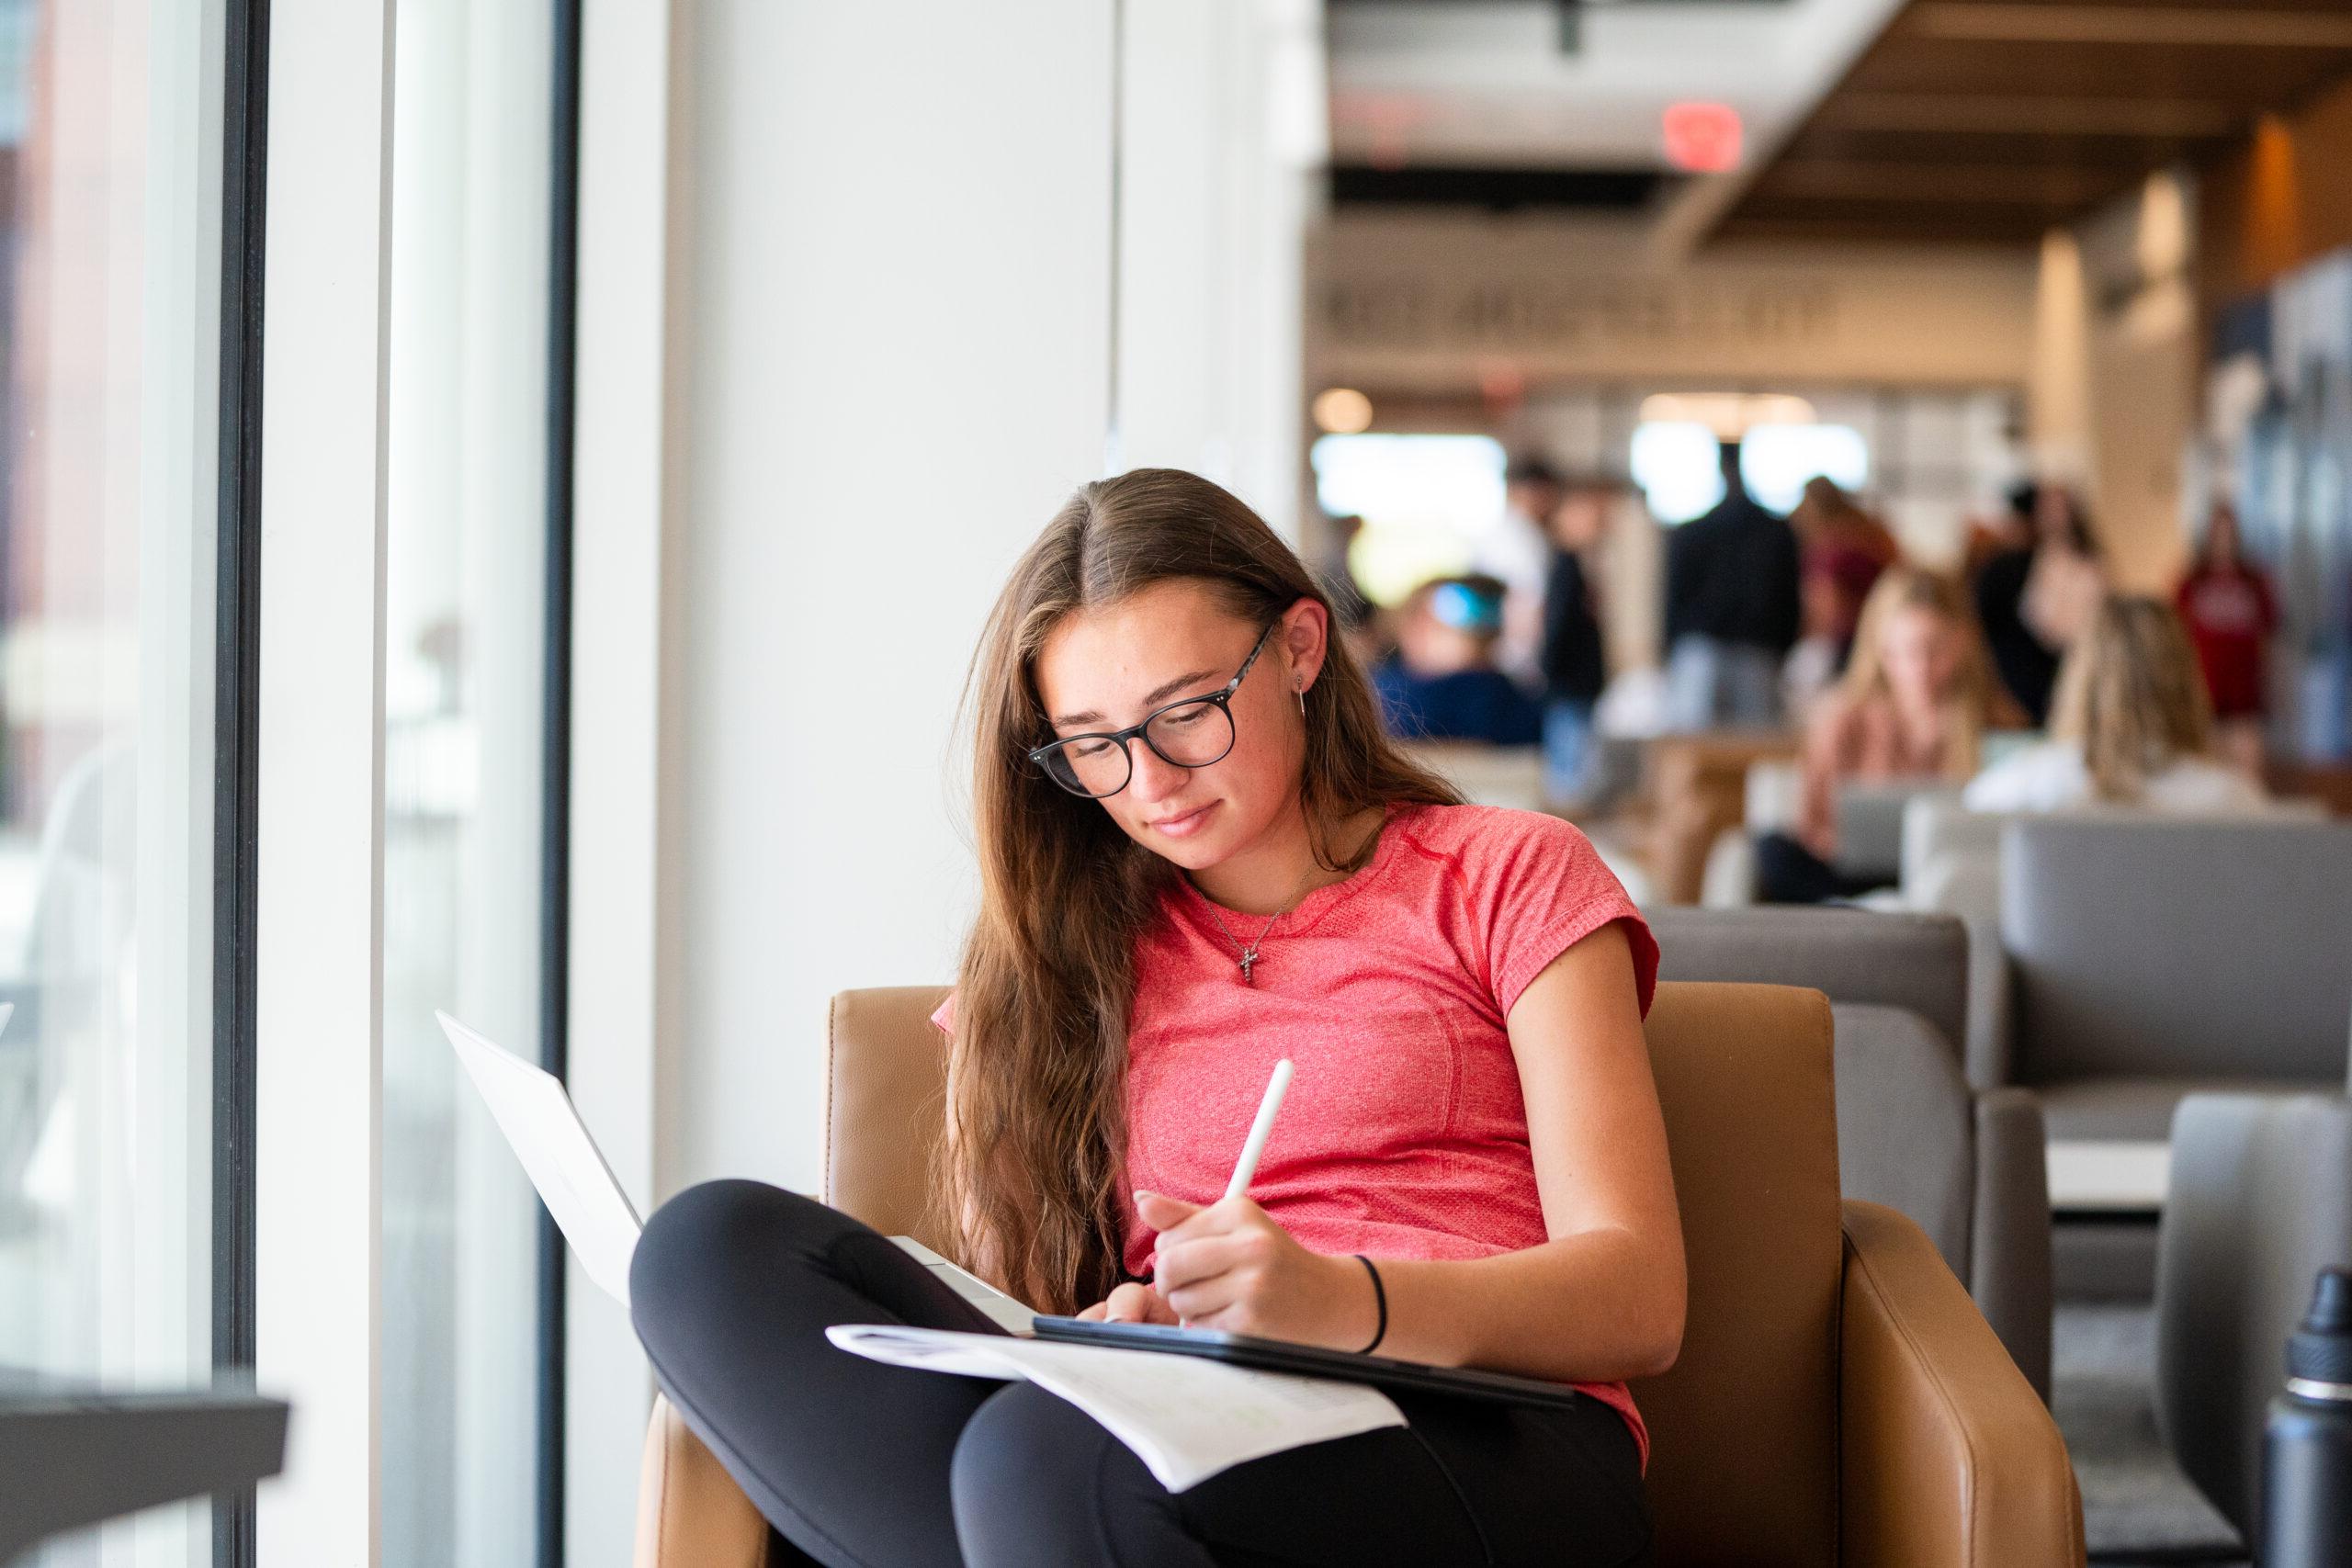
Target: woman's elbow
{"x": 1658, "y": 1351}
{"x": 1659, "y": 1345}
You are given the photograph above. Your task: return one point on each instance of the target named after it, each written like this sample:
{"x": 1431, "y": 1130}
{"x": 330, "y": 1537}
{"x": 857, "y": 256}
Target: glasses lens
{"x": 1089, "y": 766}
{"x": 1191, "y": 735}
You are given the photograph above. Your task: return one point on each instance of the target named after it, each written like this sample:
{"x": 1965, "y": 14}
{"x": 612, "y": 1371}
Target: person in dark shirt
{"x": 1441, "y": 684}
{"x": 1574, "y": 663}
{"x": 2032, "y": 599}
{"x": 1731, "y": 609}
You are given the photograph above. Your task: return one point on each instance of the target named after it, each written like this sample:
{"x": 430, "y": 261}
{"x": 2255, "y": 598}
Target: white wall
{"x": 899, "y": 284}
{"x": 1222, "y": 135}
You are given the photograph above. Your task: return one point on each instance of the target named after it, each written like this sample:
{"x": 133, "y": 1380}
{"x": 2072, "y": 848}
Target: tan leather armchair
{"x": 1838, "y": 1397}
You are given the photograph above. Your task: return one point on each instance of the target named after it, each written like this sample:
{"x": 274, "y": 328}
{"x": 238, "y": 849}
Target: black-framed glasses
{"x": 1190, "y": 733}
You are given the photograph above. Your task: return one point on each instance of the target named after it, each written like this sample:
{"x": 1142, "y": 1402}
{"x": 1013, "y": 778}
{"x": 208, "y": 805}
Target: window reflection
{"x": 109, "y": 256}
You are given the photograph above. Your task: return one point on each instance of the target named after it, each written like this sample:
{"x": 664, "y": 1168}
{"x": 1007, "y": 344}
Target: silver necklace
{"x": 1248, "y": 958}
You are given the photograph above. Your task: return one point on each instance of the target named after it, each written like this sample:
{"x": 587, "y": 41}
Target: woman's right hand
{"x": 1132, "y": 1303}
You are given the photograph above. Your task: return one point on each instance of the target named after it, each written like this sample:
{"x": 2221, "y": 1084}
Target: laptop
{"x": 543, "y": 1127}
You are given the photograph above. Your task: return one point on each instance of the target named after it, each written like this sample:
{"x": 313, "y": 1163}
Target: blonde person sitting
{"x": 1911, "y": 705}
{"x": 2129, "y": 726}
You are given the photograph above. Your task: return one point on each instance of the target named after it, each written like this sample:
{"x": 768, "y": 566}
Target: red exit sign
{"x": 1703, "y": 139}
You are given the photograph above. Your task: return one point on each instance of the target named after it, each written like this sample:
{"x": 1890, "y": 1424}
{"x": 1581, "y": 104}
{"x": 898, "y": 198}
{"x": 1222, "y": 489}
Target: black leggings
{"x": 858, "y": 1464}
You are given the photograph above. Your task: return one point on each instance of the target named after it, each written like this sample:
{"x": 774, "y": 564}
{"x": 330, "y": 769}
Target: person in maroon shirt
{"x": 2227, "y": 605}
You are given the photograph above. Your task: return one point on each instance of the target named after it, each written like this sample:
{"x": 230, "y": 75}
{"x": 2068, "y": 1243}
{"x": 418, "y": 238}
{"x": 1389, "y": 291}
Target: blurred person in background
{"x": 1731, "y": 609}
{"x": 2129, "y": 726}
{"x": 1518, "y": 553}
{"x": 1841, "y": 550}
{"x": 2035, "y": 599}
{"x": 2229, "y": 612}
{"x": 1441, "y": 682}
{"x": 1351, "y": 608}
{"x": 1575, "y": 662}
{"x": 1913, "y": 705}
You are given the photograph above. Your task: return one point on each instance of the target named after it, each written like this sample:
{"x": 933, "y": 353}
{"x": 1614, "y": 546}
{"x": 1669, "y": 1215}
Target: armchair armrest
{"x": 690, "y": 1513}
{"x": 2009, "y": 1265}
{"x": 1950, "y": 1459}
{"x": 2261, "y": 1200}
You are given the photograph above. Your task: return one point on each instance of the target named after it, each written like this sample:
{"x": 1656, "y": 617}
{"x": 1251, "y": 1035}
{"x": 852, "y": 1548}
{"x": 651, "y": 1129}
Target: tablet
{"x": 1310, "y": 1361}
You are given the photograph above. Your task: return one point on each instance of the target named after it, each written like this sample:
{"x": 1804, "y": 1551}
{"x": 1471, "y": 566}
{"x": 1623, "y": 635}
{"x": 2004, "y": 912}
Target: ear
{"x": 1306, "y": 640}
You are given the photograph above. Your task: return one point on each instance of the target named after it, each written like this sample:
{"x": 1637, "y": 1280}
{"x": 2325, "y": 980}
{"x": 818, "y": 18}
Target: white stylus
{"x": 1247, "y": 1167}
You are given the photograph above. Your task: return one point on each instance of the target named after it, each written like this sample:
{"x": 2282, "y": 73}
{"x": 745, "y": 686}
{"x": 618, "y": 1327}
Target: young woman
{"x": 1911, "y": 705}
{"x": 2129, "y": 726}
{"x": 1198, "y": 855}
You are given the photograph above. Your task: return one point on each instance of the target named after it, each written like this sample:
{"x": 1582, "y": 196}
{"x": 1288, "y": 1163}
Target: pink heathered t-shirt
{"x": 1404, "y": 1133}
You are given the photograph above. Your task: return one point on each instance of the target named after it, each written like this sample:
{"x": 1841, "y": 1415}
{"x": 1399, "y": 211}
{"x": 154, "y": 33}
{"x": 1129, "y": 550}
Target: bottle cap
{"x": 2320, "y": 1349}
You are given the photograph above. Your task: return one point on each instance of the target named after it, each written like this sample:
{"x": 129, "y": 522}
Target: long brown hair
{"x": 1030, "y": 1178}
{"x": 1970, "y": 703}
{"x": 2130, "y": 694}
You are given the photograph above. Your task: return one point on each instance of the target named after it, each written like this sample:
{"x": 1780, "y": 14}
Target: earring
{"x": 1300, "y": 687}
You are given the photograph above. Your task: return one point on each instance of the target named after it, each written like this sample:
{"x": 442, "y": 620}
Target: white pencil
{"x": 1247, "y": 1167}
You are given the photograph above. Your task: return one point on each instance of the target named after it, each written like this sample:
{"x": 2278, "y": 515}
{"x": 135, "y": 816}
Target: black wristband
{"x": 1380, "y": 1298}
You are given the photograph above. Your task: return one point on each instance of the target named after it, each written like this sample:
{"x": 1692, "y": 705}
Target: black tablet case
{"x": 1308, "y": 1360}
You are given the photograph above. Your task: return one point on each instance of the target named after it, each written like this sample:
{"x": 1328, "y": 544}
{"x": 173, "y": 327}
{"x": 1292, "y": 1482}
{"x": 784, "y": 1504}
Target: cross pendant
{"x": 1249, "y": 962}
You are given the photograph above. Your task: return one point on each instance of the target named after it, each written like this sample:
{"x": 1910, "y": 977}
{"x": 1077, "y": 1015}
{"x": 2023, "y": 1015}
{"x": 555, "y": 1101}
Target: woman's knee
{"x": 717, "y": 1238}
{"x": 1024, "y": 1460}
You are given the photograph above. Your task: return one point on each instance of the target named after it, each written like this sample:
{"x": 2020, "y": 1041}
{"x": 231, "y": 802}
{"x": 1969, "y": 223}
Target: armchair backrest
{"x": 1917, "y": 963}
{"x": 1745, "y": 1079}
{"x": 2154, "y": 948}
{"x": 1898, "y": 986}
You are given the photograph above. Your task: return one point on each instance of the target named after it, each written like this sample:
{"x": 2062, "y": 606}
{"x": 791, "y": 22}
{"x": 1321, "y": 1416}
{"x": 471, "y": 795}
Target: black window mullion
{"x": 555, "y": 817}
{"x": 236, "y": 707}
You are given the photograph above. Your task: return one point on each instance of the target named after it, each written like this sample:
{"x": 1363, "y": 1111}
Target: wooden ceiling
{"x": 1991, "y": 120}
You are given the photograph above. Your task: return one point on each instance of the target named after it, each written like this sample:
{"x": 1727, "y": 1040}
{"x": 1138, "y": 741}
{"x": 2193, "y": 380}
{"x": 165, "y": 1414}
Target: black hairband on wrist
{"x": 1380, "y": 1297}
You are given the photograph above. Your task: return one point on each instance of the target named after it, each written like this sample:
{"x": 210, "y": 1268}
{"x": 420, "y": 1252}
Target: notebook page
{"x": 1186, "y": 1418}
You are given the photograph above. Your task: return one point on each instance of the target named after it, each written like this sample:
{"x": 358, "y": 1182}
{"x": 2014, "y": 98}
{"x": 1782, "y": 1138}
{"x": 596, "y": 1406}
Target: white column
{"x": 627, "y": 512}
{"x": 1220, "y": 129}
{"x": 319, "y": 1224}
{"x": 900, "y": 310}
{"x": 2058, "y": 396}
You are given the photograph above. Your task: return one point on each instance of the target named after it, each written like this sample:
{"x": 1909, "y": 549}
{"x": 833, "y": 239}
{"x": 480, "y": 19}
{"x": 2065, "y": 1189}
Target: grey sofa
{"x": 2261, "y": 1200}
{"x": 1967, "y": 1166}
{"x": 2149, "y": 959}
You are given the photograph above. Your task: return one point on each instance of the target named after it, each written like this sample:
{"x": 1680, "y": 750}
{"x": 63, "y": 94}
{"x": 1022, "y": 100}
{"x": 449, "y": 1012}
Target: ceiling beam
{"x": 2160, "y": 119}
{"x": 1986, "y": 186}
{"x": 2218, "y": 26}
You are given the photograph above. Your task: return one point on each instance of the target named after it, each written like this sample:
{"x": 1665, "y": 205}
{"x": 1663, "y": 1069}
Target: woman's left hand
{"x": 1227, "y": 1264}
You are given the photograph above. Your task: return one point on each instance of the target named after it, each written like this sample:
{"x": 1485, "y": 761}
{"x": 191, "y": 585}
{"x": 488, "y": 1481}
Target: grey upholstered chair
{"x": 2261, "y": 1200}
{"x": 1951, "y": 865}
{"x": 2151, "y": 958}
{"x": 1969, "y": 1168}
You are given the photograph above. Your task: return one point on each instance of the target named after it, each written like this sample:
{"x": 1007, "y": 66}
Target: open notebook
{"x": 1185, "y": 1419}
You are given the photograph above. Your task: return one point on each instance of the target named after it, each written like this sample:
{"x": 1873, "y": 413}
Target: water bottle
{"x": 2307, "y": 1449}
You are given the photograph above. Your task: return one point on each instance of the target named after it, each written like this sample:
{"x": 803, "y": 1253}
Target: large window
{"x": 110, "y": 369}
{"x": 464, "y": 644}
{"x": 1427, "y": 501}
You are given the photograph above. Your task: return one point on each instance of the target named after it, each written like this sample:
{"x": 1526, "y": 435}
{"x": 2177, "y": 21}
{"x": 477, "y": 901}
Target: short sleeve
{"x": 1537, "y": 887}
{"x": 945, "y": 1015}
